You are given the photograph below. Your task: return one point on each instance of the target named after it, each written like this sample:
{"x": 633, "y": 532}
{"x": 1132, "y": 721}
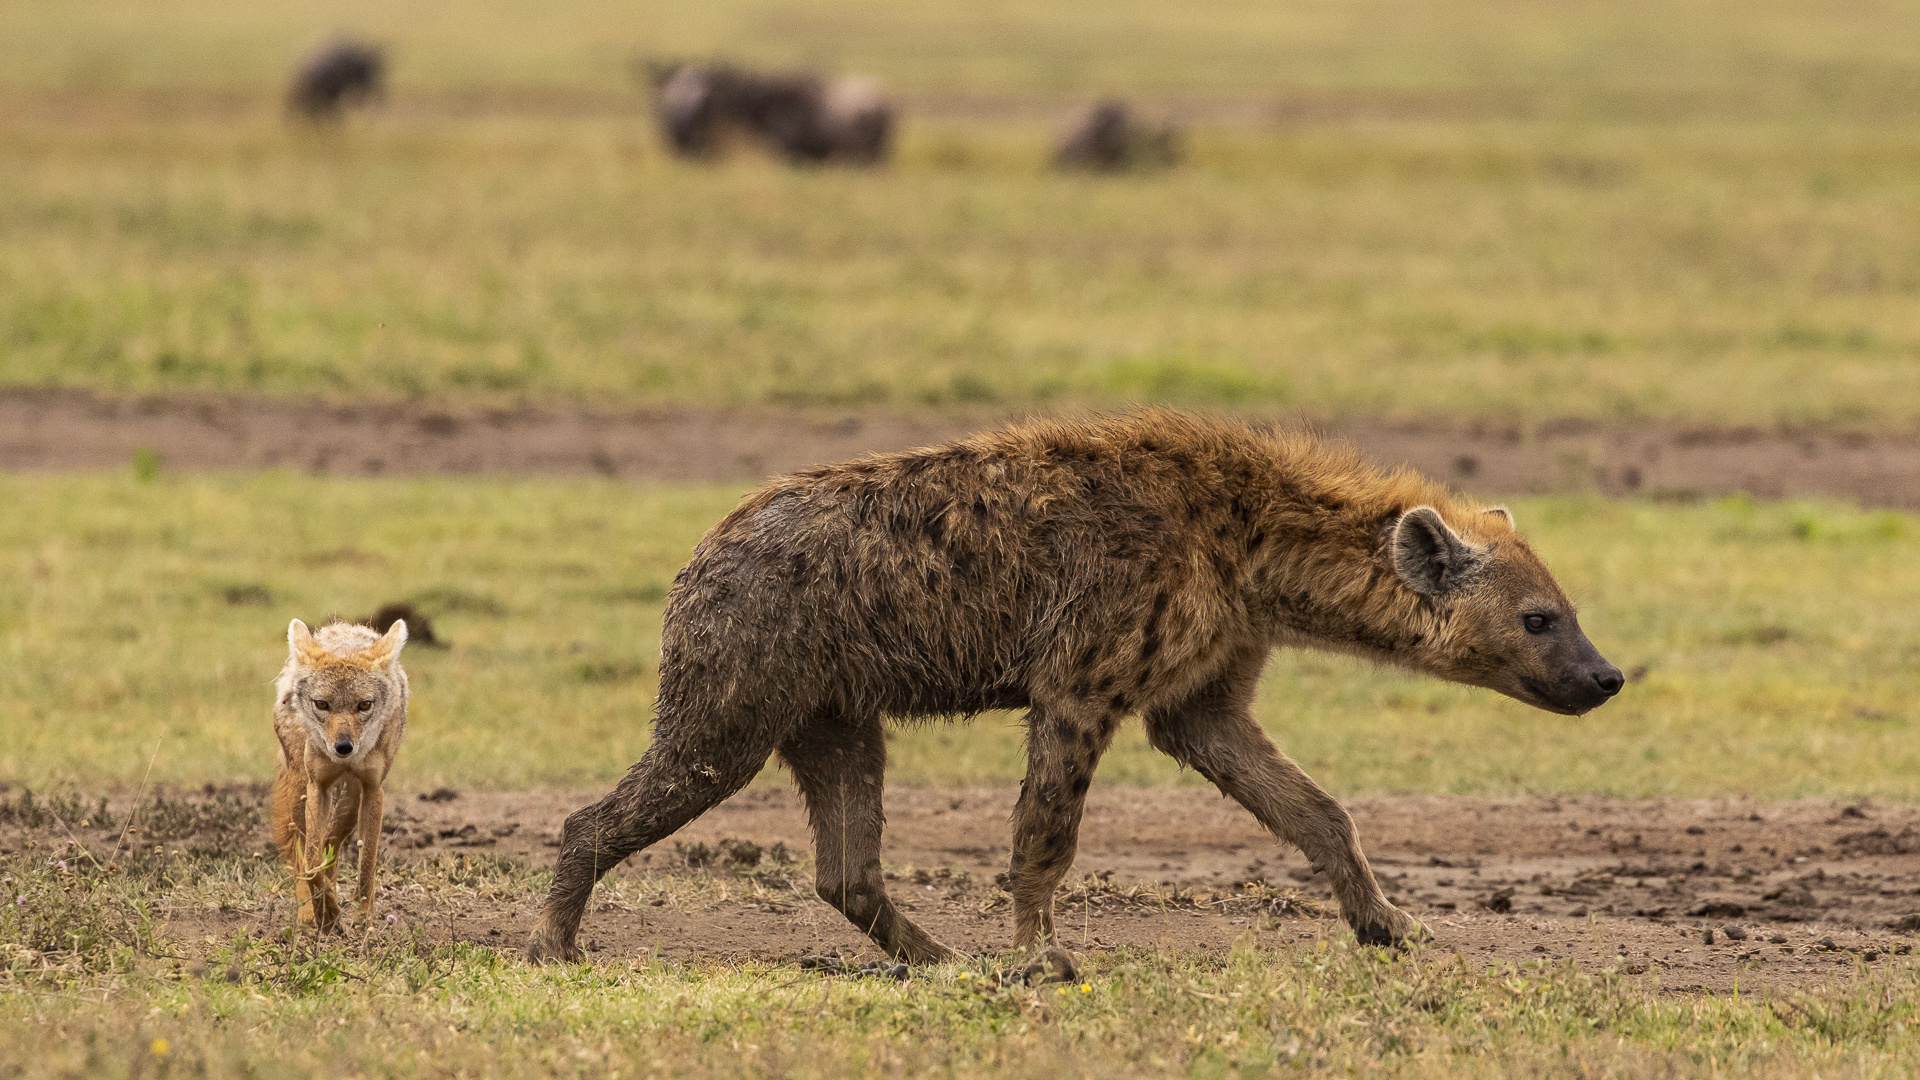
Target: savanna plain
{"x": 1500, "y": 215}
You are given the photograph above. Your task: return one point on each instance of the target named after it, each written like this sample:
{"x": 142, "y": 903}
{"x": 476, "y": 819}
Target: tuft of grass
{"x": 1770, "y": 645}
{"x": 398, "y": 1006}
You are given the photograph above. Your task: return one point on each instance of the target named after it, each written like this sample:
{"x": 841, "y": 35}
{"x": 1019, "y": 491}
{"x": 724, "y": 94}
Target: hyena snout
{"x": 1581, "y": 686}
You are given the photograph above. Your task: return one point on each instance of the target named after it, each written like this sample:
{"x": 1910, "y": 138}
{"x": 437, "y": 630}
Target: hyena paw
{"x": 543, "y": 950}
{"x": 1051, "y": 966}
{"x": 1388, "y": 925}
{"x": 326, "y": 916}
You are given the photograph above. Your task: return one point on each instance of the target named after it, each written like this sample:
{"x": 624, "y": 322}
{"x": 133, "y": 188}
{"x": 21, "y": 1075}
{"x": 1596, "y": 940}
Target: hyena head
{"x": 347, "y": 684}
{"x": 1507, "y": 625}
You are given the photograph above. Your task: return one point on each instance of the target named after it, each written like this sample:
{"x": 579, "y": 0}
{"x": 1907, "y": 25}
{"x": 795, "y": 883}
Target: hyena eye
{"x": 364, "y": 706}
{"x": 1537, "y": 624}
{"x": 321, "y": 704}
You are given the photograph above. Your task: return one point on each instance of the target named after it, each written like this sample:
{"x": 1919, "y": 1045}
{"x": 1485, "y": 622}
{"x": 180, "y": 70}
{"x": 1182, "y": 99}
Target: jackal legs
{"x": 326, "y": 817}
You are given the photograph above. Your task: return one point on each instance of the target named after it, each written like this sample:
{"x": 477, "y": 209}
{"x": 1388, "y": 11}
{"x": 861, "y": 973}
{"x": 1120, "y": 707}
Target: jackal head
{"x": 346, "y": 684}
{"x": 1508, "y": 626}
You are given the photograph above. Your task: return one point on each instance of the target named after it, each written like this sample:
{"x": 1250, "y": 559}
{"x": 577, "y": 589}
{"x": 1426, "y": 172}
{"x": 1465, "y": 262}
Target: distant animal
{"x": 802, "y": 116}
{"x": 1085, "y": 572}
{"x": 339, "y": 74}
{"x": 1111, "y": 139}
{"x": 419, "y": 627}
{"x": 339, "y": 713}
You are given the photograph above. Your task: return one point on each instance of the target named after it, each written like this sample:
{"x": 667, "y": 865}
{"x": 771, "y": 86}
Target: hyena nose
{"x": 1609, "y": 680}
{"x": 343, "y": 747}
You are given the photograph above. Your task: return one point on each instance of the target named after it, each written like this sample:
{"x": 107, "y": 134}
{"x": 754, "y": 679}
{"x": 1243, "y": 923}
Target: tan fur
{"x": 1144, "y": 565}
{"x": 320, "y": 797}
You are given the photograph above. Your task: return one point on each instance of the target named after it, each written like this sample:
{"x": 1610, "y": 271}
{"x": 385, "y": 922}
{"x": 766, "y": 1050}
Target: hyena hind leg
{"x": 669, "y": 786}
{"x": 840, "y": 766}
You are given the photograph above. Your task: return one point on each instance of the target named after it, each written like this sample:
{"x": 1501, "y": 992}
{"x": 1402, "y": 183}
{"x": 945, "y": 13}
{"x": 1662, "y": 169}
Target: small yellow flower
{"x": 1086, "y": 988}
{"x": 159, "y": 1048}
{"x": 1062, "y": 990}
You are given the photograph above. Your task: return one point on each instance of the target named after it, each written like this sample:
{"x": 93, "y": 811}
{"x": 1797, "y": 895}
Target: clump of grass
{"x": 61, "y": 808}
{"x": 1324, "y": 1007}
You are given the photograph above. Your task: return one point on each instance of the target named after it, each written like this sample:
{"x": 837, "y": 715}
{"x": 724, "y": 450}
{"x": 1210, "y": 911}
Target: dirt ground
{"x": 1793, "y": 893}
{"x": 59, "y": 430}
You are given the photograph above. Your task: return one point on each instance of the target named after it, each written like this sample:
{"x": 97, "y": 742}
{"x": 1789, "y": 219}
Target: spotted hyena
{"x": 1084, "y": 572}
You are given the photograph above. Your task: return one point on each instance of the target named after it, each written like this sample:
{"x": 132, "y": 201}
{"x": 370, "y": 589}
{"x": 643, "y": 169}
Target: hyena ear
{"x": 301, "y": 643}
{"x": 1428, "y": 556}
{"x": 1500, "y": 512}
{"x": 387, "y": 649}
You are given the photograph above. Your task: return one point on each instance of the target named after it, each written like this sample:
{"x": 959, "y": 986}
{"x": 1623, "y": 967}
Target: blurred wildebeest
{"x": 339, "y": 74}
{"x": 1111, "y": 139}
{"x": 802, "y": 116}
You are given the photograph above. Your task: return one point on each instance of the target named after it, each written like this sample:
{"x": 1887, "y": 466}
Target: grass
{"x": 142, "y": 621}
{"x": 1506, "y": 211}
{"x": 90, "y": 985}
{"x": 93, "y": 983}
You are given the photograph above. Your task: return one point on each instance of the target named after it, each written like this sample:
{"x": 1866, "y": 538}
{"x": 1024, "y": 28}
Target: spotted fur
{"x": 1084, "y": 572}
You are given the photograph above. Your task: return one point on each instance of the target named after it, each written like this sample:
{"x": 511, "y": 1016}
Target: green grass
{"x": 456, "y": 1010}
{"x": 143, "y": 621}
{"x": 119, "y": 971}
{"x": 1699, "y": 212}
{"x": 89, "y": 988}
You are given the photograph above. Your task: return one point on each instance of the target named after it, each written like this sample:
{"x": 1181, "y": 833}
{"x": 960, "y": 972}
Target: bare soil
{"x": 1793, "y": 893}
{"x": 67, "y": 430}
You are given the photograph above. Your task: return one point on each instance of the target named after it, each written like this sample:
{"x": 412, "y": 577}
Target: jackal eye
{"x": 1538, "y": 624}
{"x": 321, "y": 704}
{"x": 364, "y": 706}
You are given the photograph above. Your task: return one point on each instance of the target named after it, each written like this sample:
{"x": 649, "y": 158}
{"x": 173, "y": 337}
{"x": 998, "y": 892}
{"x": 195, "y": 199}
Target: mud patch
{"x": 64, "y": 430}
{"x": 1693, "y": 893}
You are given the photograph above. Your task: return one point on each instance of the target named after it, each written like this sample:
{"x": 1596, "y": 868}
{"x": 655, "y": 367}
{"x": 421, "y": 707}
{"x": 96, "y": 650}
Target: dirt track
{"x": 1814, "y": 887}
{"x": 59, "y": 430}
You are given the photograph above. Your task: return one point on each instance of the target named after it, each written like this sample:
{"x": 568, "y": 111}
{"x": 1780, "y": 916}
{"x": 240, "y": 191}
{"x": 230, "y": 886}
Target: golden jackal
{"x": 340, "y": 710}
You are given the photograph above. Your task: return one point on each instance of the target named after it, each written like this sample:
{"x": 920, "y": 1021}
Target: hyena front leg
{"x": 840, "y": 766}
{"x": 1214, "y": 733}
{"x": 1064, "y": 744}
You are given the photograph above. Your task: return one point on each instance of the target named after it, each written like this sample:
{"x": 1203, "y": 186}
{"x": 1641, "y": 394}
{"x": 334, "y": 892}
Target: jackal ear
{"x": 301, "y": 643}
{"x": 1429, "y": 557}
{"x": 1501, "y": 512}
{"x": 387, "y": 649}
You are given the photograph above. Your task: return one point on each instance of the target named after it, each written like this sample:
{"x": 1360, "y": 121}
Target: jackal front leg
{"x": 372, "y": 806}
{"x": 322, "y": 908}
